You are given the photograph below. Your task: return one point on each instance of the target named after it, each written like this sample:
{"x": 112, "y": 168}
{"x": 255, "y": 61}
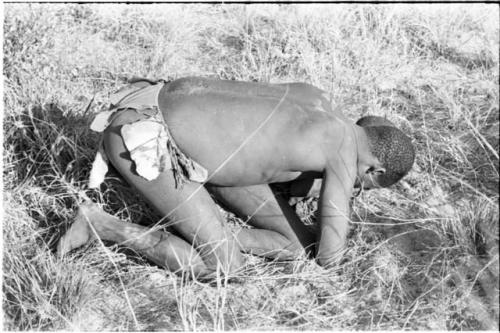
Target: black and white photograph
{"x": 250, "y": 166}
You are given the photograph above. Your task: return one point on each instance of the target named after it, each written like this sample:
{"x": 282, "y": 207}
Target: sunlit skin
{"x": 255, "y": 140}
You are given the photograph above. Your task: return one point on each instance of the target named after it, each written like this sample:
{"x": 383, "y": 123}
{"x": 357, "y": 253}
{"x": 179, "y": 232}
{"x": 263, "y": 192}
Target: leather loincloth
{"x": 148, "y": 140}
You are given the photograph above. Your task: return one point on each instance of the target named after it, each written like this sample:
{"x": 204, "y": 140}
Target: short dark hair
{"x": 393, "y": 149}
{"x": 374, "y": 121}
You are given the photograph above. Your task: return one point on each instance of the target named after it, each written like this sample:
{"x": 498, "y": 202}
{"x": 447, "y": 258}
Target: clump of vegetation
{"x": 422, "y": 254}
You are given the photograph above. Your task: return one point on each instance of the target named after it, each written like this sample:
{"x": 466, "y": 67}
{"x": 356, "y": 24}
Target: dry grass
{"x": 422, "y": 254}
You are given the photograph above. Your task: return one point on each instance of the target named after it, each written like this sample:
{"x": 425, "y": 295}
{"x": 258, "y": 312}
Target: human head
{"x": 392, "y": 149}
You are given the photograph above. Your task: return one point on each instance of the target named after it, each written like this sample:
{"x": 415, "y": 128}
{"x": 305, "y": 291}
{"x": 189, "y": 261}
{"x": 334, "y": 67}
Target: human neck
{"x": 362, "y": 140}
{"x": 365, "y": 156}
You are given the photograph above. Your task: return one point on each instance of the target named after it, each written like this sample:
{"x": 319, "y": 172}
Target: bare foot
{"x": 80, "y": 232}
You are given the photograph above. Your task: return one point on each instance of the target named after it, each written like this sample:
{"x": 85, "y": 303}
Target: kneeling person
{"x": 182, "y": 143}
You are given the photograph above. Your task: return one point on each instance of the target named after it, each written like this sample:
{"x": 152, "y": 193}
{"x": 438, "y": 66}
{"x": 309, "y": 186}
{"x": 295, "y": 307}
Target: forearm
{"x": 332, "y": 240}
{"x": 334, "y": 221}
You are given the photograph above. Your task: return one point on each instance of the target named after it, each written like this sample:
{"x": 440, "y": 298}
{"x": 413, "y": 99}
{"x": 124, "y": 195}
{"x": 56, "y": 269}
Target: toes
{"x": 78, "y": 234}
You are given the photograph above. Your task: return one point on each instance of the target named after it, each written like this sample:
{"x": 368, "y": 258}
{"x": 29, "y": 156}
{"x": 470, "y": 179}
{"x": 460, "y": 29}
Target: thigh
{"x": 189, "y": 209}
{"x": 264, "y": 208}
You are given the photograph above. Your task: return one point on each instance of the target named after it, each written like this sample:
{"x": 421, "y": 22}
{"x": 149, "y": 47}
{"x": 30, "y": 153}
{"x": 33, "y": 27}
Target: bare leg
{"x": 162, "y": 248}
{"x": 279, "y": 232}
{"x": 191, "y": 210}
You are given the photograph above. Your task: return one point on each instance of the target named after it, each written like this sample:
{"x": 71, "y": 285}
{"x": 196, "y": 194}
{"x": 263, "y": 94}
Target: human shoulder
{"x": 307, "y": 87}
{"x": 306, "y": 90}
{"x": 339, "y": 141}
{"x": 327, "y": 141}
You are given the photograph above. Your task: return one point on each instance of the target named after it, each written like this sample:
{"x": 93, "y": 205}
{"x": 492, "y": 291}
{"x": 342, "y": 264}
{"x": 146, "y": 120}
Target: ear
{"x": 375, "y": 170}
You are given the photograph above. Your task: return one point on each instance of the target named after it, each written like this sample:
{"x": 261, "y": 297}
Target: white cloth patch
{"x": 98, "y": 171}
{"x": 146, "y": 140}
{"x": 101, "y": 121}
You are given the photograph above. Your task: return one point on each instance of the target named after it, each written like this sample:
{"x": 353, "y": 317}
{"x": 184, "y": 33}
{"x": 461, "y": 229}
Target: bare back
{"x": 250, "y": 133}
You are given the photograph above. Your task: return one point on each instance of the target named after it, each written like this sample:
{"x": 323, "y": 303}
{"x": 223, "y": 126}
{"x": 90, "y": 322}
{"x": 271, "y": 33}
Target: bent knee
{"x": 290, "y": 248}
{"x": 223, "y": 254}
{"x": 293, "y": 250}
